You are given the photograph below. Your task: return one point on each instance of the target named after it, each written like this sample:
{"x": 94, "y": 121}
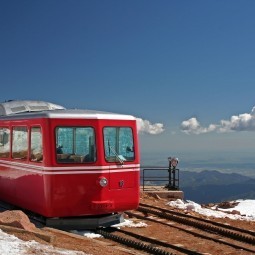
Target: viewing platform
{"x": 162, "y": 182}
{"x": 162, "y": 192}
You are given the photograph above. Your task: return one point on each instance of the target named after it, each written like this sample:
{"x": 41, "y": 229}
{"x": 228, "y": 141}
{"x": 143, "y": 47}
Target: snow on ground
{"x": 245, "y": 207}
{"x": 126, "y": 223}
{"x": 12, "y": 245}
{"x": 130, "y": 224}
{"x": 87, "y": 233}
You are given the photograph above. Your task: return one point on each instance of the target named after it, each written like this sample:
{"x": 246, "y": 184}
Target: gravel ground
{"x": 102, "y": 246}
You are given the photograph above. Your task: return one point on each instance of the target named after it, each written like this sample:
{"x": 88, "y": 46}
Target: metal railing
{"x": 160, "y": 176}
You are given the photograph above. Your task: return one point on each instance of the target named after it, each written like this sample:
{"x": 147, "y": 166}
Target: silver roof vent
{"x": 14, "y": 107}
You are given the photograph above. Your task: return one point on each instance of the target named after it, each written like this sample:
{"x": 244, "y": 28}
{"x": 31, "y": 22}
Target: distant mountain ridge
{"x": 213, "y": 186}
{"x": 210, "y": 177}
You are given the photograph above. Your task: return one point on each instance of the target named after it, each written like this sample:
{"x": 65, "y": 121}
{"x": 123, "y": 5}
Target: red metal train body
{"x": 77, "y": 168}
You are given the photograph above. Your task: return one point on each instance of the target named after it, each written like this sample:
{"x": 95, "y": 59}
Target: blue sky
{"x": 183, "y": 64}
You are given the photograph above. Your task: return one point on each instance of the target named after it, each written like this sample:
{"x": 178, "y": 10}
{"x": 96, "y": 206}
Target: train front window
{"x": 118, "y": 144}
{"x": 75, "y": 145}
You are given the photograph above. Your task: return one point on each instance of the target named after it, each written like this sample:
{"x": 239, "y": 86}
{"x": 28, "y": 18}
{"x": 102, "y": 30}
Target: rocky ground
{"x": 17, "y": 223}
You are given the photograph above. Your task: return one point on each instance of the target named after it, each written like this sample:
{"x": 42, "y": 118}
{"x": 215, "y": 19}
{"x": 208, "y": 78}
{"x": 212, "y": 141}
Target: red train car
{"x": 76, "y": 168}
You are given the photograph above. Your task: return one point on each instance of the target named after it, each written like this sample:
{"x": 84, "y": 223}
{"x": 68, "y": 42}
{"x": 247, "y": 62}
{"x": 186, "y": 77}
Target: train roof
{"x": 20, "y": 106}
{"x": 41, "y": 109}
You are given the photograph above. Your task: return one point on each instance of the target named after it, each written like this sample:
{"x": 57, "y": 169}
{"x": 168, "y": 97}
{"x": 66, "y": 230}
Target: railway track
{"x": 244, "y": 239}
{"x": 184, "y": 215}
{"x": 140, "y": 242}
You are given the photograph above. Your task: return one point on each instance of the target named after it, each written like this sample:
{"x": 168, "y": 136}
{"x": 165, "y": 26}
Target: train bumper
{"x": 81, "y": 223}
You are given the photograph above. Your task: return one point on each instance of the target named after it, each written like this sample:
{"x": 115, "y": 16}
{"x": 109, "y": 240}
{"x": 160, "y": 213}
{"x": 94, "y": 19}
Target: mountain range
{"x": 210, "y": 186}
{"x": 213, "y": 186}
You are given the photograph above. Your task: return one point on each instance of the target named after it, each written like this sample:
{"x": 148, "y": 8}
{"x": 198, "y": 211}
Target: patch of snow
{"x": 245, "y": 207}
{"x": 12, "y": 245}
{"x": 131, "y": 224}
{"x": 86, "y": 233}
{"x": 126, "y": 223}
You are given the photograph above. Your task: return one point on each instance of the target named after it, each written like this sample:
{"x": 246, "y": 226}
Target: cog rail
{"x": 205, "y": 225}
{"x": 150, "y": 245}
{"x": 167, "y": 210}
{"x": 217, "y": 240}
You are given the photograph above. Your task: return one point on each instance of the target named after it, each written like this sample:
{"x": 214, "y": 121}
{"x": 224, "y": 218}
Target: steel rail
{"x": 166, "y": 210}
{"x": 133, "y": 244}
{"x": 198, "y": 224}
{"x": 142, "y": 245}
{"x": 221, "y": 241}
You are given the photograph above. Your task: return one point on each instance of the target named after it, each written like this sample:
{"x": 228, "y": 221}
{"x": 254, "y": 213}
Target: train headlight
{"x": 103, "y": 182}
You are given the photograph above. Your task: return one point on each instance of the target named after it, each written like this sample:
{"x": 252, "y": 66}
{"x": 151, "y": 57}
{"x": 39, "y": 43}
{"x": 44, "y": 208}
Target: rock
{"x": 227, "y": 205}
{"x": 235, "y": 212}
{"x": 16, "y": 219}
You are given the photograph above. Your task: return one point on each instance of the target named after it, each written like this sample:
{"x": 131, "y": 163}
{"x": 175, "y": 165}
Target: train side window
{"x": 75, "y": 145}
{"x": 19, "y": 142}
{"x": 118, "y": 144}
{"x": 4, "y": 142}
{"x": 36, "y": 146}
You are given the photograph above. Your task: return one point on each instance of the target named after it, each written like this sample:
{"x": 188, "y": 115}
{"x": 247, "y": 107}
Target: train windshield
{"x": 75, "y": 145}
{"x": 118, "y": 144}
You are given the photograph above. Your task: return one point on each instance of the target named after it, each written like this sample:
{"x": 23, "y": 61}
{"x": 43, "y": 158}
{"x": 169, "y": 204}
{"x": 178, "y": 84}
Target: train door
{"x": 120, "y": 154}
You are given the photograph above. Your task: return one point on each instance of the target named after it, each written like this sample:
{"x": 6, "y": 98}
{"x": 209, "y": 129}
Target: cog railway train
{"x": 77, "y": 169}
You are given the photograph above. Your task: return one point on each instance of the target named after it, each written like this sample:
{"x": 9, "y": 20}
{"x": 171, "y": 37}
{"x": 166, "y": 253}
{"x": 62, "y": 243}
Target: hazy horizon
{"x": 230, "y": 162}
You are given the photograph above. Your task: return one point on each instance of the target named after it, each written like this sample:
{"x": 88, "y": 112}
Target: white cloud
{"x": 241, "y": 122}
{"x": 144, "y": 126}
{"x": 192, "y": 126}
